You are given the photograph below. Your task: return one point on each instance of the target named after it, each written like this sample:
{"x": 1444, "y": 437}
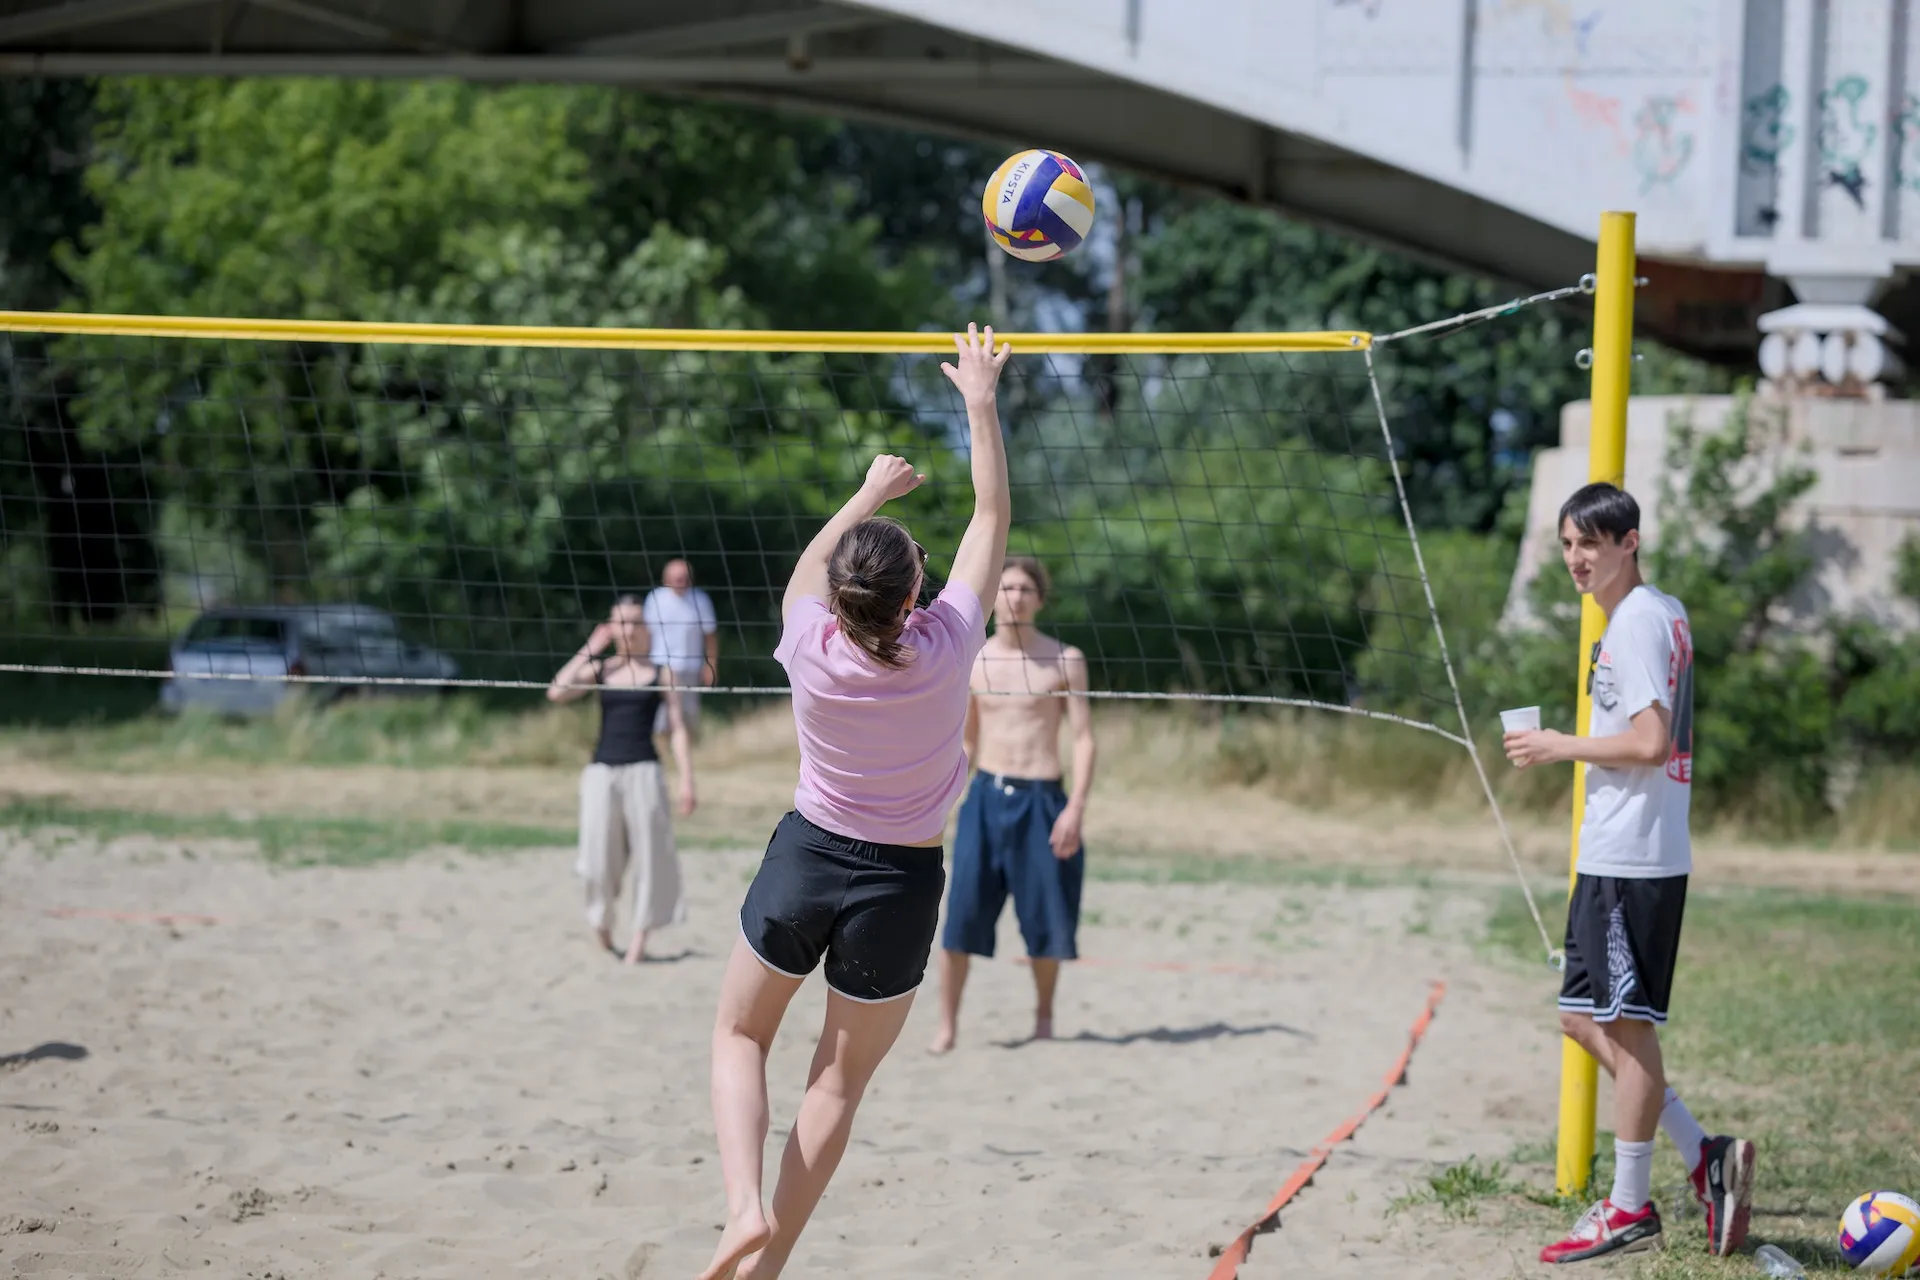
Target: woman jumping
{"x": 854, "y": 874}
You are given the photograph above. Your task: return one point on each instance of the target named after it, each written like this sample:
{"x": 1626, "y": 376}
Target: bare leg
{"x": 855, "y": 1040}
{"x": 1639, "y": 1079}
{"x": 1046, "y": 976}
{"x": 753, "y": 999}
{"x": 637, "y": 949}
{"x": 953, "y": 980}
{"x": 1591, "y": 1036}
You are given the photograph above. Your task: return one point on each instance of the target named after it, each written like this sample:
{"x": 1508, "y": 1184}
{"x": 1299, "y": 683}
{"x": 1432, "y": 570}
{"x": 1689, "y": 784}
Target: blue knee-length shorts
{"x": 1002, "y": 847}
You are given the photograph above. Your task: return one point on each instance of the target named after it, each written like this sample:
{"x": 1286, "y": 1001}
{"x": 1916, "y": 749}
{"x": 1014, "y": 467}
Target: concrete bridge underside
{"x": 1105, "y": 80}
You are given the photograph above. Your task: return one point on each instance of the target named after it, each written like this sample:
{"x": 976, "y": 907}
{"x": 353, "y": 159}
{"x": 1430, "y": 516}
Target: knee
{"x": 1632, "y": 1036}
{"x": 737, "y": 1032}
{"x": 842, "y": 1083}
{"x": 1577, "y": 1027}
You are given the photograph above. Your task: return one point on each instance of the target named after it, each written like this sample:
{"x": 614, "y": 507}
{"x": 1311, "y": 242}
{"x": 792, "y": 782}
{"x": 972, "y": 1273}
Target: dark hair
{"x": 1034, "y": 570}
{"x": 1601, "y": 508}
{"x": 627, "y": 599}
{"x": 869, "y": 580}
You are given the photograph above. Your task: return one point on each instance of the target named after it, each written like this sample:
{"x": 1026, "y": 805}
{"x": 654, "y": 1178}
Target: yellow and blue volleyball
{"x": 1038, "y": 205}
{"x": 1880, "y": 1234}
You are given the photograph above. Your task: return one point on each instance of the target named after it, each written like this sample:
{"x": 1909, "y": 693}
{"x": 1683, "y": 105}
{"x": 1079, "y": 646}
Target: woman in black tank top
{"x": 624, "y": 819}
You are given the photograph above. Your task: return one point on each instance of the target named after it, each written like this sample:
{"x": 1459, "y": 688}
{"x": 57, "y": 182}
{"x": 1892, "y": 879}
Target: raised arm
{"x": 578, "y": 678}
{"x": 888, "y": 478}
{"x": 983, "y": 548}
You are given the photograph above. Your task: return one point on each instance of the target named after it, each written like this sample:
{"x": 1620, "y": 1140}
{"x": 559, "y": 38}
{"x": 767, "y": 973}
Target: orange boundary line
{"x": 136, "y": 917}
{"x": 1228, "y": 1268}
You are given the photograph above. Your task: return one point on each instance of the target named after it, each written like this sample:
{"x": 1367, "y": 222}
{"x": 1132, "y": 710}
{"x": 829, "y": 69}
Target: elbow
{"x": 554, "y": 694}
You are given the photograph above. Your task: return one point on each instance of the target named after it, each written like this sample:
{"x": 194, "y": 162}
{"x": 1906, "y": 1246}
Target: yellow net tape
{"x": 770, "y": 340}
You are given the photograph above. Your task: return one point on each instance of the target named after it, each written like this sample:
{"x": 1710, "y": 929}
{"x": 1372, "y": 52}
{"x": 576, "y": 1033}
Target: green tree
{"x": 75, "y": 520}
{"x": 1468, "y": 409}
{"x": 473, "y": 483}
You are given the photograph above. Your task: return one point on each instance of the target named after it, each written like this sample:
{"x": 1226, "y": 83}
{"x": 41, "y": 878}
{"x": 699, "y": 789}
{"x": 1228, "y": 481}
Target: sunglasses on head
{"x": 922, "y": 550}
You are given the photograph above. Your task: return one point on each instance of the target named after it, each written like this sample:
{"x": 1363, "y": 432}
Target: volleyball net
{"x": 439, "y": 507}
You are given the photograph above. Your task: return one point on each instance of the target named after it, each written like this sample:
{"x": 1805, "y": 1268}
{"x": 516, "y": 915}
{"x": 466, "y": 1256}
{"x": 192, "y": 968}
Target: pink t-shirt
{"x": 881, "y": 757}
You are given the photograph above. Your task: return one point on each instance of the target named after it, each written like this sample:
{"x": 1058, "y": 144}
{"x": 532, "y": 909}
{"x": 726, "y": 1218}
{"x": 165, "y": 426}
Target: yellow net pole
{"x": 1606, "y": 460}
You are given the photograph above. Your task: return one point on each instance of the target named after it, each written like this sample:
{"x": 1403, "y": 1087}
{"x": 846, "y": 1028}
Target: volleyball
{"x": 1038, "y": 205}
{"x": 1880, "y": 1234}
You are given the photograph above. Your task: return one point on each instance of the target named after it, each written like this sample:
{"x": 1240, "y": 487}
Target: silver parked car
{"x": 269, "y": 643}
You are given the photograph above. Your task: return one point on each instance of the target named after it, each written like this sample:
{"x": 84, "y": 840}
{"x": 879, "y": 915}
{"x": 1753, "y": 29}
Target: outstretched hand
{"x": 978, "y": 372}
{"x": 890, "y": 477}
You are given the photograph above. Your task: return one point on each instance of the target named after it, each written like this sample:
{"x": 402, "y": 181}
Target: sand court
{"x": 423, "y": 1069}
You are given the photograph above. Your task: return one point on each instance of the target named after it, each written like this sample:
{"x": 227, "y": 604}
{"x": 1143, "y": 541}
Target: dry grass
{"x": 1883, "y": 812}
{"x": 1193, "y": 785}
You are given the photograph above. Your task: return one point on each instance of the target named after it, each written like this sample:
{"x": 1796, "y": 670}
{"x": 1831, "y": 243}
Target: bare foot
{"x": 743, "y": 1235}
{"x": 1043, "y": 1026}
{"x": 638, "y": 950}
{"x": 605, "y": 938}
{"x": 942, "y": 1041}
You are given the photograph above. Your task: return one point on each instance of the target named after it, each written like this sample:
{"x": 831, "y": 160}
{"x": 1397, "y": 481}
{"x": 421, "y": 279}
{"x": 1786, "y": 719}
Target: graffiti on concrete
{"x": 1906, "y": 131}
{"x": 1596, "y": 111}
{"x": 1765, "y": 136}
{"x": 1765, "y": 133}
{"x": 1558, "y": 19}
{"x": 1661, "y": 148}
{"x": 1845, "y": 138}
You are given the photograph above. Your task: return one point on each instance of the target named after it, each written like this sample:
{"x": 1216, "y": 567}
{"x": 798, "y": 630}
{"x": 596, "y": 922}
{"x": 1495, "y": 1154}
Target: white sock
{"x": 1632, "y": 1175}
{"x": 1678, "y": 1123}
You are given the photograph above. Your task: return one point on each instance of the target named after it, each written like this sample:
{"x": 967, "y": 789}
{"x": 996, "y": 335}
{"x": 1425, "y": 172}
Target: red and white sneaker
{"x": 1723, "y": 1182}
{"x": 1604, "y": 1229}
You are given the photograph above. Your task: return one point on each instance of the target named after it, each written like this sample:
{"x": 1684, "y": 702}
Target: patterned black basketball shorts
{"x": 1623, "y": 938}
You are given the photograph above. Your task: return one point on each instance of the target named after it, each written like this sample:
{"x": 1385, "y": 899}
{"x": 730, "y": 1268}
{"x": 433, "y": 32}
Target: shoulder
{"x": 1641, "y": 625}
{"x": 805, "y": 616}
{"x": 957, "y": 599}
{"x": 805, "y": 612}
{"x": 1671, "y": 605}
{"x": 1646, "y": 610}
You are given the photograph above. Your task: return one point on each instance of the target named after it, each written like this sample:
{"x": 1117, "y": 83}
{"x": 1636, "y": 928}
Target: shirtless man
{"x": 1019, "y": 830}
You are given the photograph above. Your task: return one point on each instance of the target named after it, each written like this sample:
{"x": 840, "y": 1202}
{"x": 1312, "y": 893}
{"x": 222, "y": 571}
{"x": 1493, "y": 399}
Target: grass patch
{"x": 283, "y": 840}
{"x": 403, "y": 732}
{"x": 1793, "y": 1025}
{"x": 1459, "y": 1189}
{"x": 1314, "y": 760}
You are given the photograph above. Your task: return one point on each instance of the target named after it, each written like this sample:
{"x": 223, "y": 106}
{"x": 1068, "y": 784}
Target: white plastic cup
{"x": 1520, "y": 719}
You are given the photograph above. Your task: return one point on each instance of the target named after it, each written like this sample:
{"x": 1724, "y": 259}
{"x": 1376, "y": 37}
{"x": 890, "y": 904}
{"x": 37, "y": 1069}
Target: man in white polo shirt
{"x": 686, "y": 639}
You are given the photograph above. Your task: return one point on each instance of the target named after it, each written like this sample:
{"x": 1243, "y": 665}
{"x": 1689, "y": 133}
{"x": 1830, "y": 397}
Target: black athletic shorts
{"x": 870, "y": 909}
{"x": 1623, "y": 937}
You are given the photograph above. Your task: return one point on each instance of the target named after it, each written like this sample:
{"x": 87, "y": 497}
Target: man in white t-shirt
{"x": 1630, "y": 887}
{"x": 686, "y": 639}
